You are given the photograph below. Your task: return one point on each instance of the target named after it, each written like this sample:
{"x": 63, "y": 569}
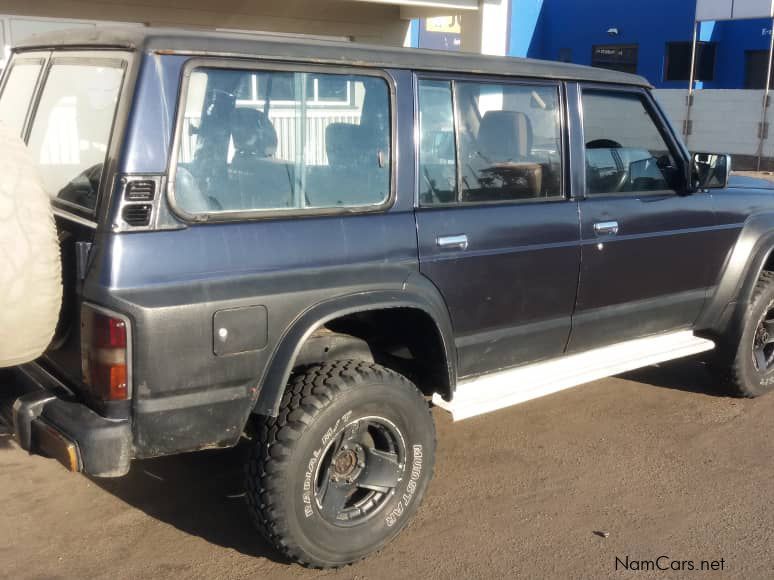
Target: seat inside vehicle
{"x": 349, "y": 177}
{"x": 502, "y": 165}
{"x": 258, "y": 180}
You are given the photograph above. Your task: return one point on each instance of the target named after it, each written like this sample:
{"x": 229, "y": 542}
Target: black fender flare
{"x": 724, "y": 311}
{"x": 417, "y": 293}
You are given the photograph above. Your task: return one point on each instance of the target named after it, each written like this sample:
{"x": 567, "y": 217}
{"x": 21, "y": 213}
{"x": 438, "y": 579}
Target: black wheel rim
{"x": 763, "y": 341}
{"x": 360, "y": 469}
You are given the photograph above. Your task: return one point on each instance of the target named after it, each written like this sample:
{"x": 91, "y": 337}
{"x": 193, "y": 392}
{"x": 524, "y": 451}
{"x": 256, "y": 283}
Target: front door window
{"x": 625, "y": 151}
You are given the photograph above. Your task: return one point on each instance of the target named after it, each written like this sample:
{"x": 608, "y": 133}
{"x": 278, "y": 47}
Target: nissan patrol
{"x": 308, "y": 244}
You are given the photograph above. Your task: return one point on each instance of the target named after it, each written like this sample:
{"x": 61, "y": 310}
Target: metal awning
{"x": 451, "y": 5}
{"x": 709, "y": 10}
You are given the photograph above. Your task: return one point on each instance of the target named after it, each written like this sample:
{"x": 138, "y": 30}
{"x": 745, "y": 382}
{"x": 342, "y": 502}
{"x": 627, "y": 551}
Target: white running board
{"x": 510, "y": 387}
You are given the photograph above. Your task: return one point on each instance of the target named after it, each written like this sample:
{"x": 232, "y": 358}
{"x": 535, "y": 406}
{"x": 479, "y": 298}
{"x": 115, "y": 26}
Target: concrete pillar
{"x": 486, "y": 30}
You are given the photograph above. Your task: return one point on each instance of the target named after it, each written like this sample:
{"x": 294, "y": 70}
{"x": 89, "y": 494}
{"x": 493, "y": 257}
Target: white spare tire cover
{"x": 30, "y": 266}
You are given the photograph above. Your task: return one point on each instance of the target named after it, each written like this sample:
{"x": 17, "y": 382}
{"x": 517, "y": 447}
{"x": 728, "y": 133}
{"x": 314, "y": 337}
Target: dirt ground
{"x": 656, "y": 459}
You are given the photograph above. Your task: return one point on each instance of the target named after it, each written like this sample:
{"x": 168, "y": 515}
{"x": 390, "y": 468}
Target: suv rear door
{"x": 65, "y": 106}
{"x": 643, "y": 236}
{"x": 497, "y": 234}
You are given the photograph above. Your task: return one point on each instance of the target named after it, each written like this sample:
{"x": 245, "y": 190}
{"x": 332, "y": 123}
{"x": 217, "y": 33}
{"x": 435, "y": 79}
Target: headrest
{"x": 343, "y": 143}
{"x": 505, "y": 136}
{"x": 253, "y": 132}
{"x": 220, "y": 105}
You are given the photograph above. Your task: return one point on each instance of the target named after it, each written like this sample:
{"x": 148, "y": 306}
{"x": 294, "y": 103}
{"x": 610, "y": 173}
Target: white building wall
{"x": 724, "y": 121}
{"x": 361, "y": 21}
{"x": 486, "y": 30}
{"x": 14, "y": 28}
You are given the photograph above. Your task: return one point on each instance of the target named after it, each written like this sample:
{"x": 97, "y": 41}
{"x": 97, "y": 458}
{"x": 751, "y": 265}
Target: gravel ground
{"x": 656, "y": 459}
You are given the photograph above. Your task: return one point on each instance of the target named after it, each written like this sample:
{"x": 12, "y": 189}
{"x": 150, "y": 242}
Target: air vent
{"x": 137, "y": 215}
{"x": 143, "y": 190}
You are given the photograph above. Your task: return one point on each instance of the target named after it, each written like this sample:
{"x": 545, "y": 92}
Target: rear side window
{"x": 505, "y": 144}
{"x": 265, "y": 140}
{"x": 510, "y": 142}
{"x": 72, "y": 127}
{"x": 15, "y": 100}
{"x": 437, "y": 156}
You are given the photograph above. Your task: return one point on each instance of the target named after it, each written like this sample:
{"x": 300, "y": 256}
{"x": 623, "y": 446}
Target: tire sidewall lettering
{"x": 307, "y": 493}
{"x": 411, "y": 487}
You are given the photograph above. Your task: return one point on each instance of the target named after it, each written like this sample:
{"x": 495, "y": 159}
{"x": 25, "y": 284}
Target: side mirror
{"x": 710, "y": 171}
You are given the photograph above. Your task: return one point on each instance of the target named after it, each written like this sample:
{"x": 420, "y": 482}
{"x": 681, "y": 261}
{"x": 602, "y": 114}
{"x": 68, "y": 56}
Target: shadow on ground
{"x": 198, "y": 493}
{"x": 690, "y": 375}
{"x": 203, "y": 493}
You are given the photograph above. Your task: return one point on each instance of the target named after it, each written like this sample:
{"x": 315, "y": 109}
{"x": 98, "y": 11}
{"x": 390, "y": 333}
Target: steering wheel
{"x": 623, "y": 171}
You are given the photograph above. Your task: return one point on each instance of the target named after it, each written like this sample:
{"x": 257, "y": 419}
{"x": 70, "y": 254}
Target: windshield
{"x": 72, "y": 126}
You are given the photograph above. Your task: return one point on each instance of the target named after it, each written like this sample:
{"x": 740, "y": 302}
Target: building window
{"x": 618, "y": 57}
{"x": 677, "y": 66}
{"x": 321, "y": 90}
{"x": 756, "y": 62}
{"x": 441, "y": 33}
{"x": 565, "y": 55}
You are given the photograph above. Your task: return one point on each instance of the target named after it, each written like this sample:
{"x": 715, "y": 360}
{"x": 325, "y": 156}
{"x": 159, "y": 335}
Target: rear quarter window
{"x": 282, "y": 141}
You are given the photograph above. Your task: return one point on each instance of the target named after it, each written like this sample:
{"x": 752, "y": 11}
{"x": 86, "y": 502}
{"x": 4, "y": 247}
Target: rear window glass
{"x": 510, "y": 142}
{"x": 72, "y": 127}
{"x": 505, "y": 146}
{"x": 273, "y": 140}
{"x": 17, "y": 94}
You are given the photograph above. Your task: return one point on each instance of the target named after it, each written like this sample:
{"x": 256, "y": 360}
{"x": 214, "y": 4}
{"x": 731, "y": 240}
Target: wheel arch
{"x": 414, "y": 297}
{"x": 752, "y": 253}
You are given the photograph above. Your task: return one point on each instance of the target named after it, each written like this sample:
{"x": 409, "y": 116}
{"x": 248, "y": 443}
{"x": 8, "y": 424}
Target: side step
{"x": 502, "y": 389}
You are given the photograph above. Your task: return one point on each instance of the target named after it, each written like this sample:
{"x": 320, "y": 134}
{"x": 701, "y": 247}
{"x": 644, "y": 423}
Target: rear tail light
{"x": 104, "y": 354}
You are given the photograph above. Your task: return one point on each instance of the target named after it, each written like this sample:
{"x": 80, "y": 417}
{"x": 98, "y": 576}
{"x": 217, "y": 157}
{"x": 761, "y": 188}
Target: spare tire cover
{"x": 30, "y": 268}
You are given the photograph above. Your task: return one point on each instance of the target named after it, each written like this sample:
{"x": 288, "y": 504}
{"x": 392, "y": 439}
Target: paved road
{"x": 654, "y": 458}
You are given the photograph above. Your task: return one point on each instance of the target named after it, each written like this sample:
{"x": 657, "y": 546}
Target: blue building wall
{"x": 545, "y": 28}
{"x": 578, "y": 25}
{"x": 734, "y": 39}
{"x": 553, "y": 29}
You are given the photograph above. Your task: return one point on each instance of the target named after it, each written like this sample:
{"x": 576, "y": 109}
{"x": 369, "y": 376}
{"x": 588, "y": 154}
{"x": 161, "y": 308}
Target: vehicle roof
{"x": 277, "y": 47}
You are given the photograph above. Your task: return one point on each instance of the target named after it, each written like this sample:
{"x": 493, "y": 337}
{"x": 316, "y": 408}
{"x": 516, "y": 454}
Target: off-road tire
{"x": 740, "y": 373}
{"x": 289, "y": 449}
{"x": 30, "y": 266}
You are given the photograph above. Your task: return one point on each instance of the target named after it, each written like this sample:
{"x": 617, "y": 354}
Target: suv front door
{"x": 497, "y": 235}
{"x": 643, "y": 236}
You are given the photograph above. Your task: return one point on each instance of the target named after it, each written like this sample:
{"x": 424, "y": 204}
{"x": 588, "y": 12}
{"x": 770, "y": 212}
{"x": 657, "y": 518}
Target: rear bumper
{"x": 47, "y": 420}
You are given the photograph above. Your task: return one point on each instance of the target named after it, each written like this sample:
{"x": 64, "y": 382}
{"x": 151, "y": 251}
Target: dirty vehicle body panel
{"x": 649, "y": 277}
{"x": 219, "y": 304}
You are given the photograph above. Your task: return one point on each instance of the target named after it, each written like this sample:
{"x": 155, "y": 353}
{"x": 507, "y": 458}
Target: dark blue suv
{"x": 310, "y": 244}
